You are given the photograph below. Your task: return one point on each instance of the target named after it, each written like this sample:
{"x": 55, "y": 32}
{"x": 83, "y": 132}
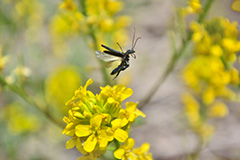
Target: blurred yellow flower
{"x": 18, "y": 120}
{"x": 236, "y": 5}
{"x": 29, "y": 12}
{"x": 194, "y": 7}
{"x": 3, "y": 60}
{"x": 68, "y": 5}
{"x": 192, "y": 109}
{"x": 218, "y": 109}
{"x": 22, "y": 71}
{"x": 60, "y": 86}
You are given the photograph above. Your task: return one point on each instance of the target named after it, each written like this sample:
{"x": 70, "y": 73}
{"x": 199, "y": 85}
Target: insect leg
{"x": 117, "y": 74}
{"x": 120, "y": 47}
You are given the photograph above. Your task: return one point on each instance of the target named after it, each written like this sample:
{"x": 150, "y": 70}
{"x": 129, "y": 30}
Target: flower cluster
{"x": 211, "y": 74}
{"x": 93, "y": 18}
{"x": 96, "y": 120}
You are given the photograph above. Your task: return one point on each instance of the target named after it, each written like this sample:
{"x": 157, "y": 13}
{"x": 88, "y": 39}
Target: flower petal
{"x": 79, "y": 146}
{"x": 129, "y": 144}
{"x": 131, "y": 106}
{"x": 90, "y": 143}
{"x": 120, "y": 135}
{"x": 119, "y": 153}
{"x": 82, "y": 130}
{"x": 71, "y": 143}
{"x": 96, "y": 121}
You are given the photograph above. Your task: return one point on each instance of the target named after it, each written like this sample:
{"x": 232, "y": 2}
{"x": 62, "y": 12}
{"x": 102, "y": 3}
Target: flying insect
{"x": 110, "y": 55}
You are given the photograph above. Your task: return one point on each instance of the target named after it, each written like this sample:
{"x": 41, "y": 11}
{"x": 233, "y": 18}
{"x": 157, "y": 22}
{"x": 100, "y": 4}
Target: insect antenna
{"x": 133, "y": 40}
{"x": 135, "y": 43}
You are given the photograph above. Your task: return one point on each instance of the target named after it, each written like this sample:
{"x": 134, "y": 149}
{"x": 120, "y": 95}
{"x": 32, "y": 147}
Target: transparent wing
{"x": 107, "y": 57}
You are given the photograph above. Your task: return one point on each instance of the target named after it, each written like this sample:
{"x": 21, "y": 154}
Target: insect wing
{"x": 107, "y": 57}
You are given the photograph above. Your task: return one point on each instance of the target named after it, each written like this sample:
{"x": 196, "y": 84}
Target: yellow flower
{"x": 194, "y": 7}
{"x": 96, "y": 120}
{"x": 192, "y": 109}
{"x": 68, "y": 5}
{"x": 91, "y": 131}
{"x": 142, "y": 152}
{"x": 18, "y": 121}
{"x": 236, "y": 5}
{"x": 60, "y": 85}
{"x": 117, "y": 93}
{"x": 218, "y": 110}
{"x": 3, "y": 60}
{"x": 126, "y": 151}
{"x": 235, "y": 79}
{"x": 131, "y": 112}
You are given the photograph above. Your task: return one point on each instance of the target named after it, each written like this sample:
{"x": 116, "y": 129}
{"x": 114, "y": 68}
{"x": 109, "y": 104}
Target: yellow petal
{"x": 106, "y": 134}
{"x": 90, "y": 143}
{"x": 140, "y": 113}
{"x": 120, "y": 135}
{"x": 126, "y": 93}
{"x": 131, "y": 106}
{"x": 116, "y": 124}
{"x": 82, "y": 130}
{"x": 96, "y": 121}
{"x": 145, "y": 147}
{"x": 119, "y": 153}
{"x": 129, "y": 144}
{"x": 103, "y": 143}
{"x": 71, "y": 143}
{"x": 79, "y": 147}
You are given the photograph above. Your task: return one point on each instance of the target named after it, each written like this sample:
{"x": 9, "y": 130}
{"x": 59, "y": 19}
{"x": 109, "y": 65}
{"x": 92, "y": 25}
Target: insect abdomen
{"x": 115, "y": 70}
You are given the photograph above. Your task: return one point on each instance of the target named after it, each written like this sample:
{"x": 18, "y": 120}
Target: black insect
{"x": 110, "y": 55}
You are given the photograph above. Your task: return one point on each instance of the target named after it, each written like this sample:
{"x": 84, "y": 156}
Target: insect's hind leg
{"x": 117, "y": 74}
{"x": 120, "y": 47}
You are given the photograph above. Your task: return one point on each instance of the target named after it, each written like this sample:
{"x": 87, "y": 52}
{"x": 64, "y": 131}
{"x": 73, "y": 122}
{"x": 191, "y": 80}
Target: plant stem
{"x": 103, "y": 69}
{"x": 195, "y": 155}
{"x": 20, "y": 92}
{"x": 95, "y": 47}
{"x": 173, "y": 61}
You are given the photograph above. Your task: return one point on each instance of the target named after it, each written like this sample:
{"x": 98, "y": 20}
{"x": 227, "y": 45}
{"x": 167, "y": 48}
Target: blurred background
{"x": 50, "y": 68}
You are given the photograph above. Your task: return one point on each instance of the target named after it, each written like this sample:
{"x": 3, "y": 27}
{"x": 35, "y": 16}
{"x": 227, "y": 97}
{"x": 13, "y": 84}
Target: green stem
{"x": 20, "y": 92}
{"x": 103, "y": 69}
{"x": 195, "y": 155}
{"x": 173, "y": 61}
{"x": 94, "y": 39}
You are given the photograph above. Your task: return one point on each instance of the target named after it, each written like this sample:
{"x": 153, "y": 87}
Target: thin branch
{"x": 21, "y": 93}
{"x": 173, "y": 61}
